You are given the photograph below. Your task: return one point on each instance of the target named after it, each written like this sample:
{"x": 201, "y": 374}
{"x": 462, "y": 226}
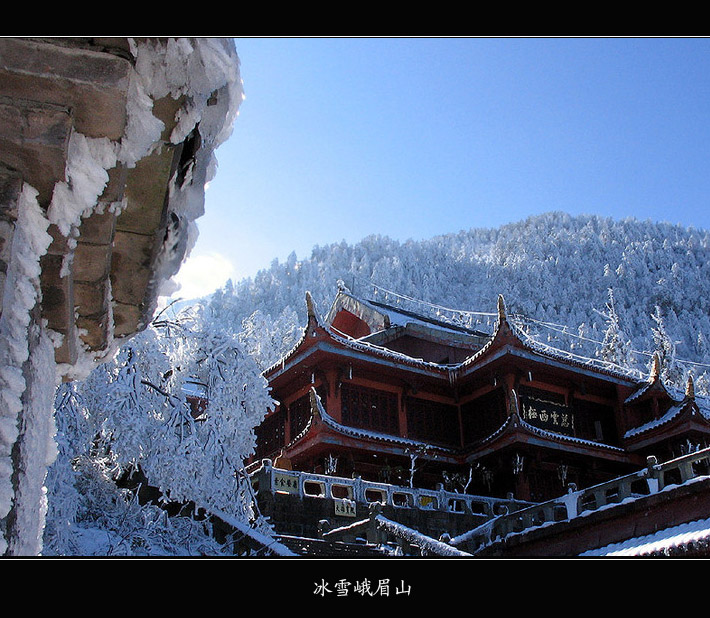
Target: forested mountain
{"x": 555, "y": 269}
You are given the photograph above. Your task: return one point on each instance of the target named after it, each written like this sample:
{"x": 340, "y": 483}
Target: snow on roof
{"x": 663, "y": 542}
{"x": 401, "y": 317}
{"x": 575, "y": 359}
{"x": 654, "y": 382}
{"x": 356, "y": 344}
{"x": 644, "y": 388}
{"x": 408, "y": 310}
{"x": 526, "y": 341}
{"x": 545, "y": 351}
{"x": 404, "y": 317}
{"x": 366, "y": 346}
{"x": 672, "y": 412}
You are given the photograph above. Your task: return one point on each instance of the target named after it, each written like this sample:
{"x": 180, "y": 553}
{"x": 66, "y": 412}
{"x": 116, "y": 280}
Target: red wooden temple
{"x": 373, "y": 391}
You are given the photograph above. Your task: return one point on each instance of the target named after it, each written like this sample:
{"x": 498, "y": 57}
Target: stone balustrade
{"x": 305, "y": 484}
{"x": 652, "y": 479}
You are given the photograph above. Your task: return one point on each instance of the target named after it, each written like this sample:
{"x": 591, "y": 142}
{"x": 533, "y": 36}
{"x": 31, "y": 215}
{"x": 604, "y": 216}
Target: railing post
{"x": 374, "y": 536}
{"x": 686, "y": 471}
{"x": 268, "y": 472}
{"x": 548, "y": 513}
{"x": 624, "y": 489}
{"x": 570, "y": 501}
{"x": 324, "y": 526}
{"x": 654, "y": 479}
{"x": 442, "y": 500}
{"x": 599, "y": 499}
{"x": 358, "y": 490}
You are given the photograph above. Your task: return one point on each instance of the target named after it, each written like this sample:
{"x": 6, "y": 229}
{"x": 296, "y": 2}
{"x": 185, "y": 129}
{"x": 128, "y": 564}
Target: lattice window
{"x": 432, "y": 421}
{"x": 271, "y": 434}
{"x": 368, "y": 408}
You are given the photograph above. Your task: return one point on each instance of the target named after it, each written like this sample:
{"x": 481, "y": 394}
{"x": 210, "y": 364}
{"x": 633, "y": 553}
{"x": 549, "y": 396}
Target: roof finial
{"x": 310, "y": 306}
{"x": 513, "y": 409}
{"x": 501, "y": 308}
{"x": 655, "y": 367}
{"x": 690, "y": 388}
{"x": 314, "y": 399}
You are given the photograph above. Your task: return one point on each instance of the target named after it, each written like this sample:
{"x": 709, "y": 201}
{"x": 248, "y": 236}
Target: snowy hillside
{"x": 554, "y": 268}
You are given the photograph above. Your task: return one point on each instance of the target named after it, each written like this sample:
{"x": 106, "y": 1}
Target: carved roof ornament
{"x": 501, "y": 308}
{"x": 690, "y": 388}
{"x": 513, "y": 409}
{"x": 655, "y": 368}
{"x": 315, "y": 408}
{"x": 310, "y": 306}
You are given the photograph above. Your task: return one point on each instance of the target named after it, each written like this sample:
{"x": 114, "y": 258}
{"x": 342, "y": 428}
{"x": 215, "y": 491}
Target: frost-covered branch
{"x": 136, "y": 407}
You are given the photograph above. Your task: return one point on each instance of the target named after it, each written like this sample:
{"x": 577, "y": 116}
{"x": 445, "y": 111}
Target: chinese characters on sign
{"x": 547, "y": 415}
{"x": 285, "y": 483}
{"x": 365, "y": 587}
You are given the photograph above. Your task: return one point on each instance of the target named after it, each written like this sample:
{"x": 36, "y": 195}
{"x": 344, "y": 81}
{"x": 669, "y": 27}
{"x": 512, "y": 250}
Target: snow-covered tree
{"x": 548, "y": 266}
{"x": 671, "y": 372}
{"x": 133, "y": 415}
{"x": 89, "y": 515}
{"x": 267, "y": 339}
{"x": 616, "y": 347}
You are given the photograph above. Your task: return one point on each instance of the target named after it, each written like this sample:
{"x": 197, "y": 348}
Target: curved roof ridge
{"x": 312, "y": 320}
{"x": 502, "y": 322}
{"x": 532, "y": 345}
{"x": 677, "y": 409}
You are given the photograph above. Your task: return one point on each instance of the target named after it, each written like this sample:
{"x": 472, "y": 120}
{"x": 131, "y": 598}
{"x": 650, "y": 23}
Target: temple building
{"x": 383, "y": 394}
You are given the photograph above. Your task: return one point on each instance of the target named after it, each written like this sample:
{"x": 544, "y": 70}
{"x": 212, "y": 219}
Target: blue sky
{"x": 339, "y": 138}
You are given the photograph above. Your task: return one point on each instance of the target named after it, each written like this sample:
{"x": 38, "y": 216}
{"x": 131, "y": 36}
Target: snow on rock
{"x": 88, "y": 160}
{"x": 195, "y": 69}
{"x": 37, "y": 449}
{"x": 22, "y": 291}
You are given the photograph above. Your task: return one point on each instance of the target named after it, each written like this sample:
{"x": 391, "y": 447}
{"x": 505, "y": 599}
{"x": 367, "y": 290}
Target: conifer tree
{"x": 616, "y": 346}
{"x": 671, "y": 372}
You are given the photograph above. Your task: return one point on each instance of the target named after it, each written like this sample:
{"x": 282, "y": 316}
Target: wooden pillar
{"x": 332, "y": 404}
{"x": 522, "y": 486}
{"x": 402, "y": 413}
{"x": 283, "y": 408}
{"x": 509, "y": 384}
